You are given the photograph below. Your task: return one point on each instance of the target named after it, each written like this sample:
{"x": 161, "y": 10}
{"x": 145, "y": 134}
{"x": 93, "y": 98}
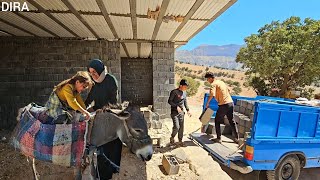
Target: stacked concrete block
{"x": 152, "y": 118}
{"x": 243, "y": 116}
{"x": 147, "y": 114}
{"x": 163, "y": 76}
{"x": 31, "y": 67}
{"x": 244, "y": 139}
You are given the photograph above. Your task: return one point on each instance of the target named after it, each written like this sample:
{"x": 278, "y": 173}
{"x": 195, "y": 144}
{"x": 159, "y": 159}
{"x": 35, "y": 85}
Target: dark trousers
{"x": 225, "y": 110}
{"x": 178, "y": 124}
{"x": 113, "y": 151}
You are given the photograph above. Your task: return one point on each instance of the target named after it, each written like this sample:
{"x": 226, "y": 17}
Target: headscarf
{"x": 101, "y": 69}
{"x": 97, "y": 65}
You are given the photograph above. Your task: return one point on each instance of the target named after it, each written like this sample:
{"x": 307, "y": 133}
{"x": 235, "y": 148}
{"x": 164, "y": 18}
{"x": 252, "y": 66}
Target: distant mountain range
{"x": 211, "y": 55}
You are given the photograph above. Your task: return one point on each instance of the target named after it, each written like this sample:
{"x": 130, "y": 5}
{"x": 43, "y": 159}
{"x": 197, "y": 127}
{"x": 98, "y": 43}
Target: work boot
{"x": 217, "y": 140}
{"x": 181, "y": 143}
{"x": 172, "y": 140}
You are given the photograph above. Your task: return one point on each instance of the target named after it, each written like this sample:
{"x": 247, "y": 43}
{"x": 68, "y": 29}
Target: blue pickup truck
{"x": 283, "y": 138}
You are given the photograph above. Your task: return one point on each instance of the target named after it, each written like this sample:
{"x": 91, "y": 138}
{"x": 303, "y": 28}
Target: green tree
{"x": 282, "y": 55}
{"x": 236, "y": 83}
{"x": 193, "y": 86}
{"x": 207, "y": 68}
{"x": 307, "y": 93}
{"x": 236, "y": 90}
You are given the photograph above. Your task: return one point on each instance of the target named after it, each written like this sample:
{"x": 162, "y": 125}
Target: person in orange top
{"x": 68, "y": 93}
{"x": 221, "y": 93}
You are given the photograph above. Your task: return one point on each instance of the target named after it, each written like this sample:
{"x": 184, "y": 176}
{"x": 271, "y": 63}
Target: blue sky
{"x": 245, "y": 17}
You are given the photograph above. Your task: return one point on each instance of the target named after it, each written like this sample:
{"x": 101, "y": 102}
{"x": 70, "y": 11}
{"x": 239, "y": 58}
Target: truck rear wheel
{"x": 288, "y": 169}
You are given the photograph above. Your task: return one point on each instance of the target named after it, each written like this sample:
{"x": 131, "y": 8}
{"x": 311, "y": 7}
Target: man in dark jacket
{"x": 178, "y": 99}
{"x": 104, "y": 92}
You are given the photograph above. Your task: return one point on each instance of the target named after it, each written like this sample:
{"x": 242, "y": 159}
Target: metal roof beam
{"x": 163, "y": 9}
{"x": 77, "y": 14}
{"x": 15, "y": 26}
{"x": 139, "y": 49}
{"x": 125, "y": 49}
{"x": 107, "y": 18}
{"x": 101, "y": 14}
{"x": 191, "y": 12}
{"x": 199, "y": 19}
{"x": 42, "y": 10}
{"x": 147, "y": 41}
{"x": 133, "y": 10}
{"x": 36, "y": 24}
{"x": 222, "y": 10}
{"x": 7, "y": 32}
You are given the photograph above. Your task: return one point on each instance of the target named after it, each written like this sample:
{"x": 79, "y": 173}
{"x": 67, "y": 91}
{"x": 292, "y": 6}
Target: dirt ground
{"x": 198, "y": 164}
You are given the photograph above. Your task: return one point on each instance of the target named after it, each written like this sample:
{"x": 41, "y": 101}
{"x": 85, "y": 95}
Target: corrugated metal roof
{"x": 189, "y": 28}
{"x": 72, "y": 22}
{"x": 48, "y": 23}
{"x": 30, "y": 7}
{"x": 209, "y": 8}
{"x": 53, "y": 5}
{"x": 145, "y": 50}
{"x": 167, "y": 29}
{"x": 132, "y": 49}
{"x": 13, "y": 30}
{"x": 143, "y": 5}
{"x": 117, "y": 6}
{"x": 145, "y": 28}
{"x": 86, "y": 6}
{"x": 11, "y": 17}
{"x": 177, "y": 7}
{"x": 99, "y": 25}
{"x": 123, "y": 26}
{"x": 122, "y": 52}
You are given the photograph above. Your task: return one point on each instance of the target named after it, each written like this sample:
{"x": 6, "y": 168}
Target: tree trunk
{"x": 284, "y": 86}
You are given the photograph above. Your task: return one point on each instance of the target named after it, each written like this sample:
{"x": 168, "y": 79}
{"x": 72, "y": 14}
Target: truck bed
{"x": 225, "y": 152}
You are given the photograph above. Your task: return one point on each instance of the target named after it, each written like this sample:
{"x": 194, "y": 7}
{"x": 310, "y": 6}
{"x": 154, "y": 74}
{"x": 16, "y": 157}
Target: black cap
{"x": 209, "y": 75}
{"x": 184, "y": 82}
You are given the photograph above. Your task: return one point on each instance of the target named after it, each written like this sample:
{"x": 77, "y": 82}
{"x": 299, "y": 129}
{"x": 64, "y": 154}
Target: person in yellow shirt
{"x": 221, "y": 93}
{"x": 66, "y": 97}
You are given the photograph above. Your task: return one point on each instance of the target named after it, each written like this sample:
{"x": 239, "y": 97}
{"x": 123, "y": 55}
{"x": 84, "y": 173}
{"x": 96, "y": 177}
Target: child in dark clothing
{"x": 178, "y": 99}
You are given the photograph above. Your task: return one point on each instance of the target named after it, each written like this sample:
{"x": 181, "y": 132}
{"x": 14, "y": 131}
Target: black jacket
{"x": 103, "y": 93}
{"x": 178, "y": 98}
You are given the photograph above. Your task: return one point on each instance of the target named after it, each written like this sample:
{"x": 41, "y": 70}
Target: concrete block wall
{"x": 136, "y": 80}
{"x": 163, "y": 76}
{"x": 31, "y": 67}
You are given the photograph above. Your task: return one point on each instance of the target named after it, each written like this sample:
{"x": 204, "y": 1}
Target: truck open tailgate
{"x": 221, "y": 152}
